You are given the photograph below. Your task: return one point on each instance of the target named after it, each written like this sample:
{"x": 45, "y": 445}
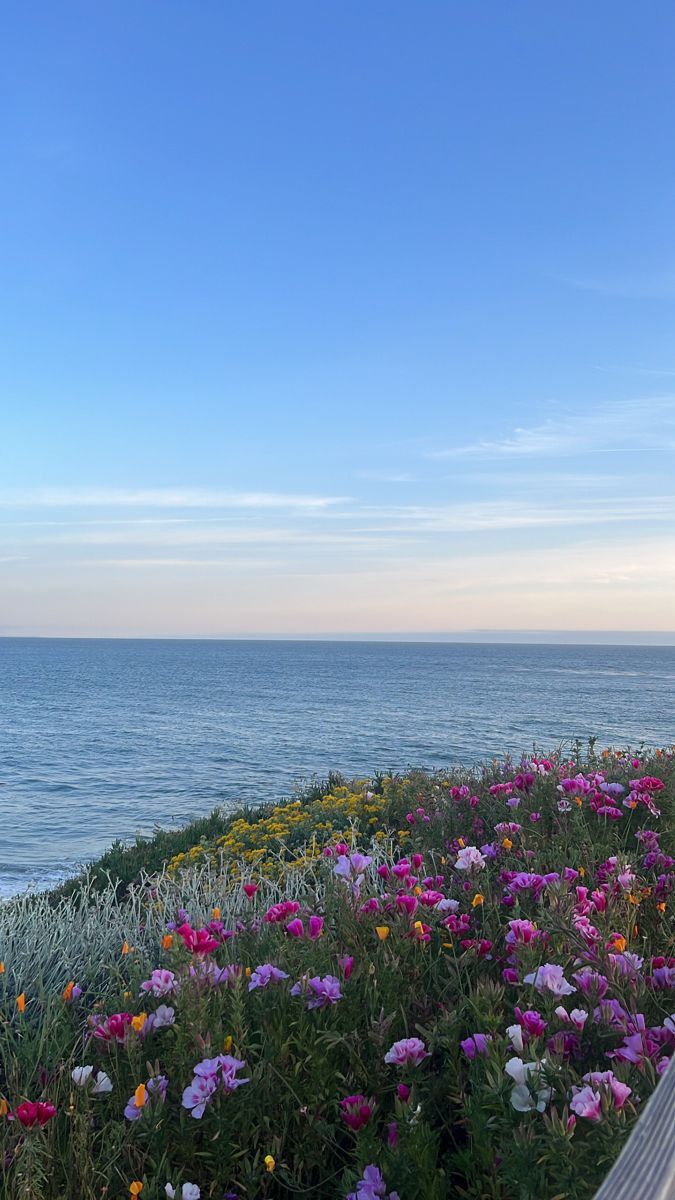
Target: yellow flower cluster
{"x": 293, "y": 833}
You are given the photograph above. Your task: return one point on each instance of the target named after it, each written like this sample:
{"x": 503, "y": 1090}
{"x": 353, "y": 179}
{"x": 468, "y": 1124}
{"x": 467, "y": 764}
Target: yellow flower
{"x": 138, "y": 1022}
{"x": 269, "y": 1162}
{"x": 507, "y": 843}
{"x": 215, "y": 913}
{"x": 582, "y": 871}
{"x": 167, "y": 941}
{"x": 247, "y": 972}
{"x": 227, "y": 1043}
{"x": 135, "y": 1188}
{"x": 21, "y": 1002}
{"x": 460, "y": 843}
{"x": 382, "y": 932}
{"x": 140, "y": 1096}
{"x": 447, "y": 945}
{"x": 477, "y": 900}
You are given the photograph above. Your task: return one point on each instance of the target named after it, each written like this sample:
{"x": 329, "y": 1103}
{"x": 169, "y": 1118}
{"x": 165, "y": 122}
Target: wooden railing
{"x": 645, "y": 1169}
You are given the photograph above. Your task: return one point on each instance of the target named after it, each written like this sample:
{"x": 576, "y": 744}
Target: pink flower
{"x": 619, "y": 1091}
{"x": 160, "y": 983}
{"x": 407, "y": 1052}
{"x": 586, "y": 1103}
{"x": 346, "y": 965}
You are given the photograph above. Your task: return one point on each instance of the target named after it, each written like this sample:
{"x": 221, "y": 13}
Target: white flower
{"x": 522, "y": 1097}
{"x": 189, "y": 1191}
{"x": 516, "y": 1035}
{"x": 469, "y": 859}
{"x": 80, "y": 1076}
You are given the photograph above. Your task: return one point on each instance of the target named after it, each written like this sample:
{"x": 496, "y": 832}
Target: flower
{"x": 21, "y": 1002}
{"x": 550, "y": 978}
{"x": 153, "y": 1092}
{"x": 197, "y": 941}
{"x": 586, "y": 1103}
{"x": 382, "y": 932}
{"x": 82, "y": 1076}
{"x": 356, "y": 1111}
{"x": 529, "y": 1092}
{"x": 189, "y": 1191}
{"x": 270, "y": 1162}
{"x": 265, "y": 974}
{"x": 211, "y": 1076}
{"x": 250, "y": 890}
{"x": 372, "y": 1186}
{"x": 478, "y": 1043}
{"x": 160, "y": 983}
{"x": 35, "y": 1112}
{"x": 320, "y": 992}
{"x": 136, "y": 1187}
{"x": 469, "y": 859}
{"x": 407, "y": 1052}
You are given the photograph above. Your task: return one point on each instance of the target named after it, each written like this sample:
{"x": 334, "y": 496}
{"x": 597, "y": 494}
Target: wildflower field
{"x": 409, "y": 988}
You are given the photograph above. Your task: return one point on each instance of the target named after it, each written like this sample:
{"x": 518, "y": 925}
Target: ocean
{"x": 101, "y": 739}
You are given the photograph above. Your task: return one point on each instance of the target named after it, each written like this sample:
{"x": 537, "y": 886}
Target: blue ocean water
{"x": 100, "y": 739}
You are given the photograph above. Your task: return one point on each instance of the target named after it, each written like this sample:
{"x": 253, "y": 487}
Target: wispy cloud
{"x": 618, "y": 427}
{"x": 656, "y": 286}
{"x": 58, "y": 497}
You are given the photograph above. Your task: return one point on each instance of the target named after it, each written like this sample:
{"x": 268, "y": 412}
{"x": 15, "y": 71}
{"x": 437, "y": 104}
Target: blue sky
{"x": 323, "y": 318}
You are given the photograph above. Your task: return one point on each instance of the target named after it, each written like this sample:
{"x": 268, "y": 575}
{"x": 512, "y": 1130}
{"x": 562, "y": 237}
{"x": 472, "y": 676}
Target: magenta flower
{"x": 315, "y": 927}
{"x": 619, "y": 1091}
{"x": 407, "y": 1052}
{"x": 356, "y": 1111}
{"x": 346, "y": 965}
{"x": 296, "y": 928}
{"x": 197, "y": 941}
{"x": 279, "y": 912}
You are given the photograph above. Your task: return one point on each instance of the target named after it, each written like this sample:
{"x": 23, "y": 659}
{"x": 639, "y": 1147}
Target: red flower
{"x": 35, "y": 1112}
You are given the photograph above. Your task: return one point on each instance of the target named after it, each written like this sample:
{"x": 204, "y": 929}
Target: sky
{"x": 331, "y": 319}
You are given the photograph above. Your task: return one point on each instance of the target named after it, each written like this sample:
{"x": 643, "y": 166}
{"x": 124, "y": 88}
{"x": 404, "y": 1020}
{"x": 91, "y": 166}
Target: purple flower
{"x": 264, "y": 975}
{"x": 371, "y": 1186}
{"x": 319, "y": 992}
{"x": 478, "y": 1043}
{"x": 211, "y": 1076}
{"x": 163, "y": 1017}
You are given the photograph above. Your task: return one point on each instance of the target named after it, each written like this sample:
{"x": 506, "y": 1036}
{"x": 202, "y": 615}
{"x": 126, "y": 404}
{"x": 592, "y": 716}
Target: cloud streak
{"x": 57, "y": 497}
